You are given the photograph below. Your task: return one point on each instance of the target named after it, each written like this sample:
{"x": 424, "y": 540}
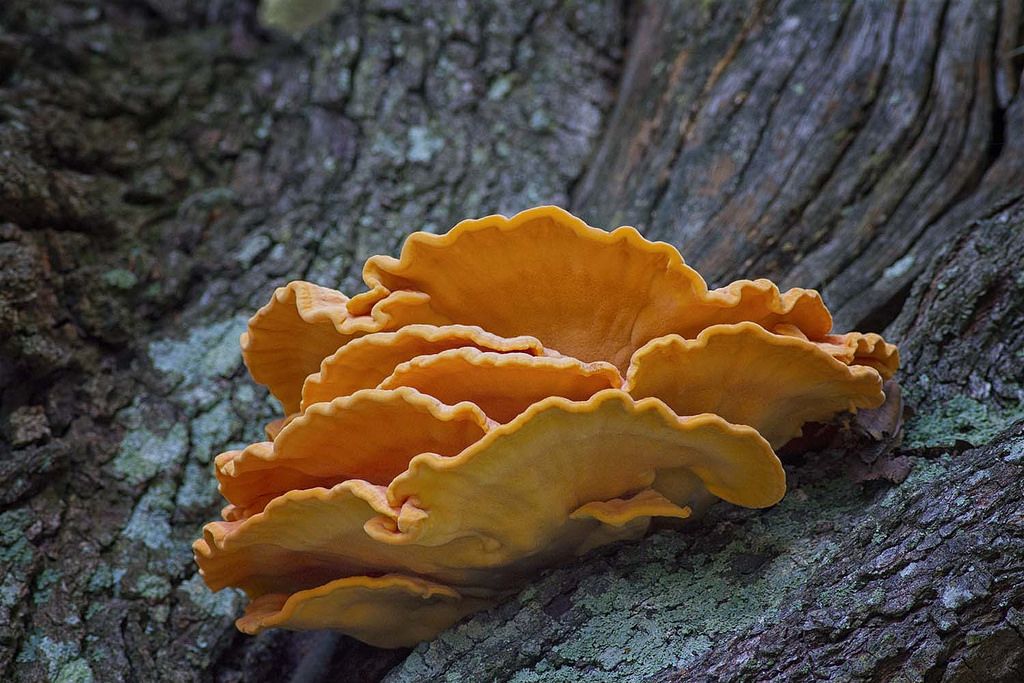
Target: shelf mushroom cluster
{"x": 503, "y": 397}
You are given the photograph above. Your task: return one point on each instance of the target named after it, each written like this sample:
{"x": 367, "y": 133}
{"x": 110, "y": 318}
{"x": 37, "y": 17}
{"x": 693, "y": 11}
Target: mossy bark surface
{"x": 164, "y": 165}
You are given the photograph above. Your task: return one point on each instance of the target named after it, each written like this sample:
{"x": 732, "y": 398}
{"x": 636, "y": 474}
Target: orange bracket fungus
{"x": 502, "y": 398}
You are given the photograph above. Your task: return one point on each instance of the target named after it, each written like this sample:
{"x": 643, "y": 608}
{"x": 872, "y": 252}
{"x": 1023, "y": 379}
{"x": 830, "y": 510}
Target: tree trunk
{"x": 164, "y": 165}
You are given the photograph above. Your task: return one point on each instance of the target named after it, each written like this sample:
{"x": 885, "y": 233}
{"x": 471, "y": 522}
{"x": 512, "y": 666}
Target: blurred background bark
{"x": 165, "y": 163}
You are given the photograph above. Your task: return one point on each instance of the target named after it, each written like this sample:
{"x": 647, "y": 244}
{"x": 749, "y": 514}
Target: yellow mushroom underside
{"x": 387, "y": 611}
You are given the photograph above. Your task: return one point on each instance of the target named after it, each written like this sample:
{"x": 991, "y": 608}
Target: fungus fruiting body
{"x": 502, "y": 398}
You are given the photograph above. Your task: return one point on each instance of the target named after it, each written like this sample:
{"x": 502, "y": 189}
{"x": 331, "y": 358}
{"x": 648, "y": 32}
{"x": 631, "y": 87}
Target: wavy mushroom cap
{"x": 370, "y": 435}
{"x": 560, "y": 455}
{"x": 304, "y": 323}
{"x": 853, "y": 348}
{"x": 502, "y": 384}
{"x": 367, "y": 361}
{"x": 750, "y": 376}
{"x": 591, "y": 294}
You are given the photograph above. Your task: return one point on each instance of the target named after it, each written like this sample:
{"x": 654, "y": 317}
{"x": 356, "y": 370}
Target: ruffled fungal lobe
{"x": 591, "y": 294}
{"x": 853, "y": 348}
{"x": 287, "y": 339}
{"x": 750, "y": 376}
{"x": 365, "y": 362}
{"x": 370, "y": 435}
{"x": 560, "y": 455}
{"x": 503, "y": 385}
{"x": 367, "y": 608}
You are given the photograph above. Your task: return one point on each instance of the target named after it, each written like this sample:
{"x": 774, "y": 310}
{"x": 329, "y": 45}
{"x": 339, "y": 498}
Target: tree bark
{"x": 164, "y": 165}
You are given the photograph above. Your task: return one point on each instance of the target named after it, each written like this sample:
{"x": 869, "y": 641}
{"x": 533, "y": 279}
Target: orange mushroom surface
{"x": 750, "y": 376}
{"x": 502, "y": 398}
{"x": 853, "y": 348}
{"x": 502, "y": 384}
{"x": 304, "y": 323}
{"x": 340, "y": 440}
{"x": 365, "y": 362}
{"x": 367, "y": 608}
{"x": 590, "y": 294}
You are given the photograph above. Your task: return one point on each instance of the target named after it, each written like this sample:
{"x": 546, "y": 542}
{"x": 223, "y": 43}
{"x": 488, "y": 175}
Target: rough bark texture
{"x": 163, "y": 165}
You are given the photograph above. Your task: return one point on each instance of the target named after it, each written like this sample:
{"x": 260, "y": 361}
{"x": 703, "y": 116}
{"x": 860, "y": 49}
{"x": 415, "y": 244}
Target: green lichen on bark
{"x": 961, "y": 419}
